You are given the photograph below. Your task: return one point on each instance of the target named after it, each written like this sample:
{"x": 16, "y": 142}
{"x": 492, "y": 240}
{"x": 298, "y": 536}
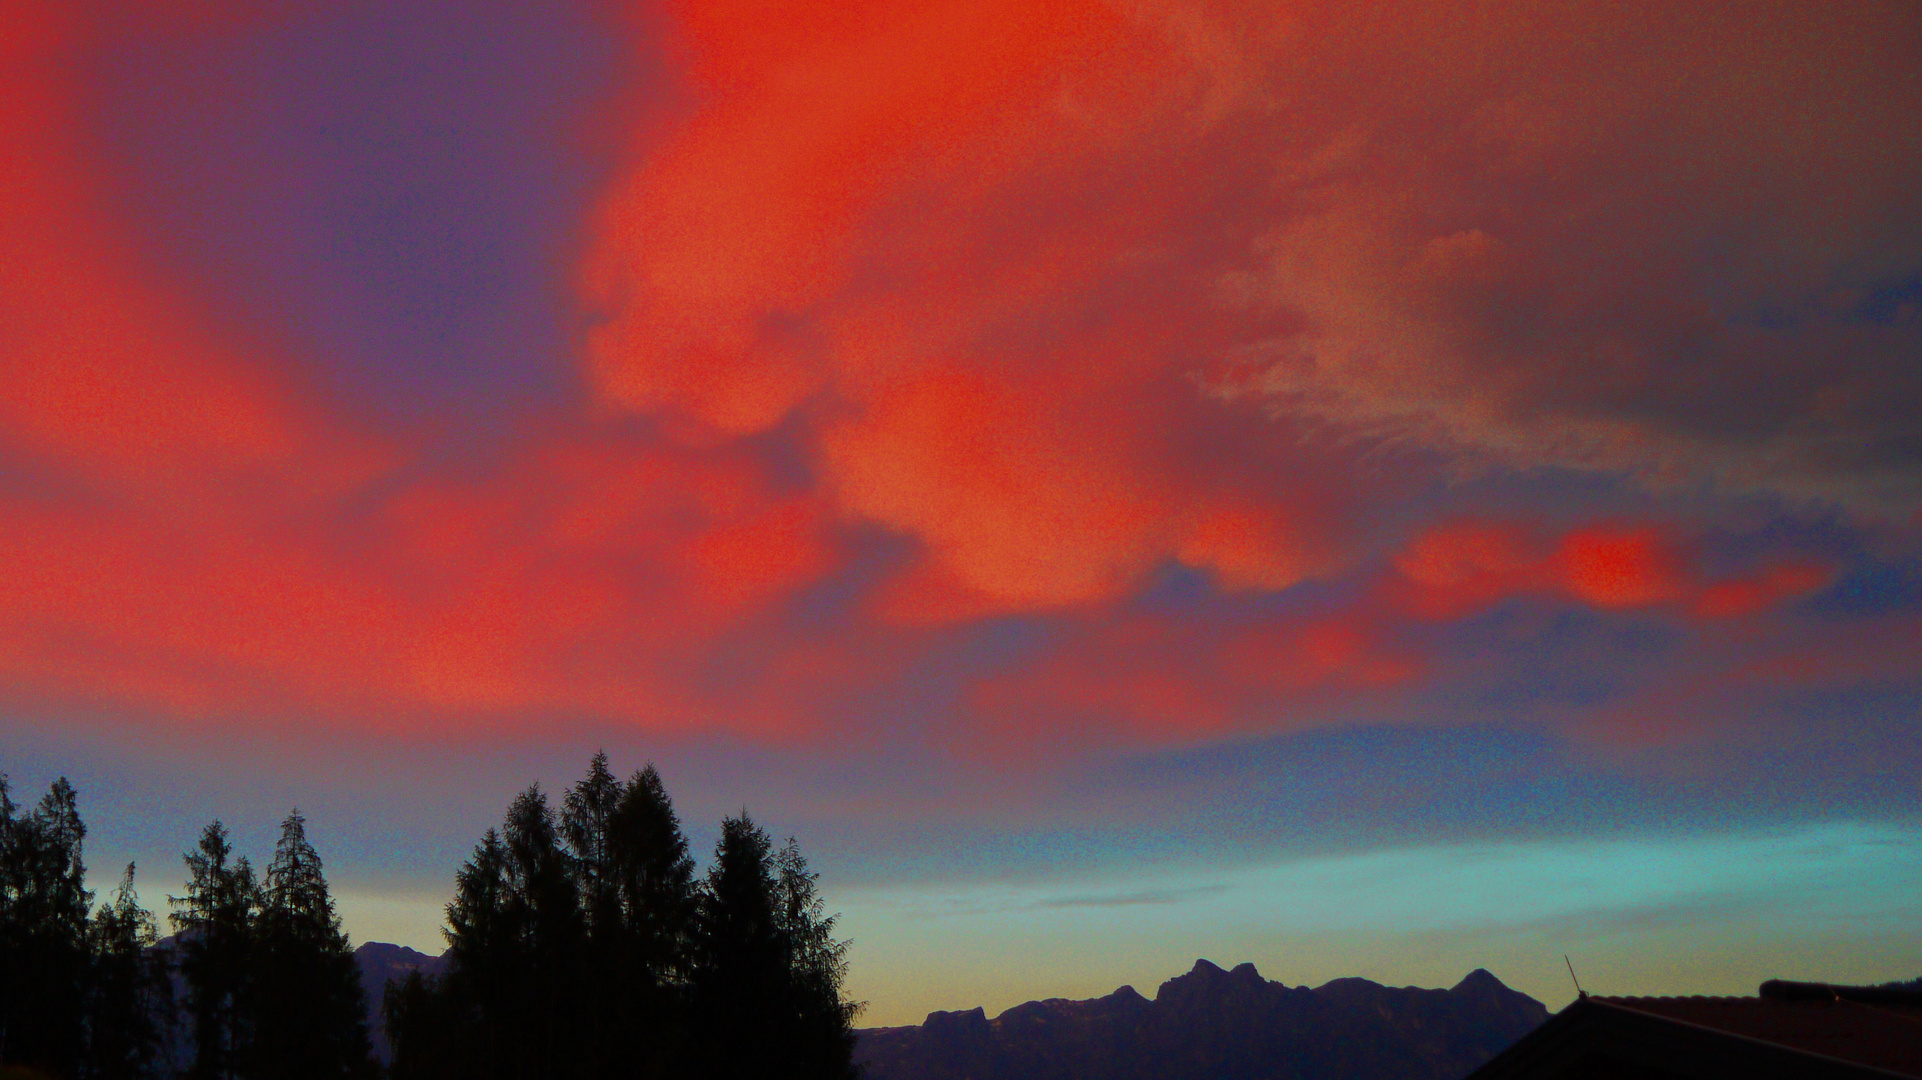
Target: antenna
{"x": 1579, "y": 992}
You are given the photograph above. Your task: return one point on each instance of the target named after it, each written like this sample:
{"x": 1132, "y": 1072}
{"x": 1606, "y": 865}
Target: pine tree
{"x": 544, "y": 909}
{"x": 601, "y": 957}
{"x": 636, "y": 889}
{"x": 736, "y": 987}
{"x": 766, "y": 987}
{"x": 464, "y": 1023}
{"x": 433, "y": 1034}
{"x": 823, "y": 1037}
{"x": 215, "y": 922}
{"x": 43, "y": 931}
{"x": 307, "y": 1012}
{"x": 131, "y": 999}
{"x": 655, "y": 878}
{"x": 586, "y": 813}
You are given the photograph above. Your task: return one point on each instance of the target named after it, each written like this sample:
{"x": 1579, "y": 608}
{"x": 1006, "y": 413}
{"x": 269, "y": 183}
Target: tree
{"x": 43, "y": 931}
{"x": 543, "y": 907}
{"x": 131, "y": 999}
{"x": 640, "y": 902}
{"x": 516, "y": 938}
{"x": 306, "y": 1010}
{"x": 462, "y": 1024}
{"x": 599, "y": 956}
{"x": 215, "y": 922}
{"x": 767, "y": 975}
{"x": 816, "y": 966}
{"x": 586, "y": 814}
{"x": 433, "y": 1034}
{"x": 655, "y": 877}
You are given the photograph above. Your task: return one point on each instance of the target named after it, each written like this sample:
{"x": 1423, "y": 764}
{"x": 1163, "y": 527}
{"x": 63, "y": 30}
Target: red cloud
{"x": 1156, "y": 681}
{"x": 1003, "y": 264}
{"x": 197, "y": 540}
{"x": 741, "y": 221}
{"x": 98, "y": 366}
{"x": 1063, "y": 295}
{"x": 1455, "y": 569}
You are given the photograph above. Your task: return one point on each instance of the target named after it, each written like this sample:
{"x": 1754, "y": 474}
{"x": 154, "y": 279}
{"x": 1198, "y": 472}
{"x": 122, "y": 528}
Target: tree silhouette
{"x": 131, "y": 999}
{"x": 823, "y": 1036}
{"x": 544, "y": 908}
{"x": 462, "y": 1023}
{"x": 767, "y": 971}
{"x": 272, "y": 988}
{"x": 43, "y": 931}
{"x": 306, "y": 1010}
{"x": 215, "y": 922}
{"x": 586, "y": 813}
{"x": 655, "y": 879}
{"x": 583, "y": 947}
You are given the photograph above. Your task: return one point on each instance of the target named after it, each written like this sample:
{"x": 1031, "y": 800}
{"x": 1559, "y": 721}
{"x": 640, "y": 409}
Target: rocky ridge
{"x": 1217, "y": 1025}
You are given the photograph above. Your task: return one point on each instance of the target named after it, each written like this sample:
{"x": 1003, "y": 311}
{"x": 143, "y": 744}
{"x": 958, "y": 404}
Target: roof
{"x": 1792, "y": 1030}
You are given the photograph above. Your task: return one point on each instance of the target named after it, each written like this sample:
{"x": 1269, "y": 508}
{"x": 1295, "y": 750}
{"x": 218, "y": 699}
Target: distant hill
{"x": 1212, "y": 1024}
{"x": 380, "y": 962}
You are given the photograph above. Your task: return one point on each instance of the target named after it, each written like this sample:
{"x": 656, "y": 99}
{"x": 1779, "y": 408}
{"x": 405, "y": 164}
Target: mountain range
{"x": 1208, "y": 1023}
{"x": 1218, "y": 1025}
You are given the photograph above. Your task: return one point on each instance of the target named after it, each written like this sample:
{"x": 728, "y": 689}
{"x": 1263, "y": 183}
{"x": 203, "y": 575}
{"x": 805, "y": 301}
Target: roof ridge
{"x": 1675, "y": 997}
{"x": 1782, "y": 1047}
{"x": 1885, "y": 1011}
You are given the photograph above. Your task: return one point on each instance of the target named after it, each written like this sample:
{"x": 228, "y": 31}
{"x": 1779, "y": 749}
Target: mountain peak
{"x": 1205, "y": 1019}
{"x": 1478, "y": 979}
{"x": 960, "y": 1023}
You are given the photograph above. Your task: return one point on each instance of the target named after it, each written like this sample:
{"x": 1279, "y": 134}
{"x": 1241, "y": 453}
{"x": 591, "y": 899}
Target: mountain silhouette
{"x": 1217, "y": 1025}
{"x": 380, "y": 962}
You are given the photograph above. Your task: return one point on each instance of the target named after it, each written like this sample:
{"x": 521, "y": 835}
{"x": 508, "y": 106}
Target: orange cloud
{"x": 804, "y": 119}
{"x": 1160, "y": 681}
{"x": 98, "y": 366}
{"x": 1004, "y": 267}
{"x": 1057, "y": 297}
{"x": 1455, "y": 569}
{"x": 1608, "y": 568}
{"x": 200, "y": 542}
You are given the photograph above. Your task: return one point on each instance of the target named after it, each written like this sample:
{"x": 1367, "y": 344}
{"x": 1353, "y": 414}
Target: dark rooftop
{"x": 1789, "y": 1029}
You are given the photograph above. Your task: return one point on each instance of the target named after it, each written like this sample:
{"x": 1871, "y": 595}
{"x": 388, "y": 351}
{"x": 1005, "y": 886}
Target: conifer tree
{"x": 655, "y": 876}
{"x": 636, "y": 886}
{"x": 656, "y": 881}
{"x": 464, "y": 1023}
{"x": 823, "y": 1036}
{"x": 307, "y": 1012}
{"x": 43, "y": 931}
{"x": 544, "y": 909}
{"x": 600, "y": 956}
{"x": 738, "y": 970}
{"x": 130, "y": 1006}
{"x": 586, "y": 814}
{"x": 433, "y": 1033}
{"x": 766, "y": 986}
{"x": 215, "y": 922}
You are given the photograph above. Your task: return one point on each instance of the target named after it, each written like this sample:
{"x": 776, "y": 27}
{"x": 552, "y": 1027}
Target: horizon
{"x": 1373, "y": 492}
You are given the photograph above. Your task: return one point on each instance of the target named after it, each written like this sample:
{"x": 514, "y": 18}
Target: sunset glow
{"x": 1235, "y": 454}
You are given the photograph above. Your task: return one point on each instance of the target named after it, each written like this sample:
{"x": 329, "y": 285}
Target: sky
{"x": 1375, "y": 490}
